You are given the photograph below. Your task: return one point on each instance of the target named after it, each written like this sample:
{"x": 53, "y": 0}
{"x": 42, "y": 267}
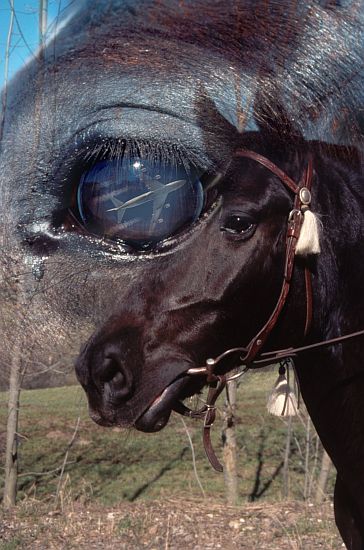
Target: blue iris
{"x": 138, "y": 201}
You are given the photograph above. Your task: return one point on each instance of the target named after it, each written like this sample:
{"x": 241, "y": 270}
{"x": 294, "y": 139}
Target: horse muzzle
{"x": 125, "y": 389}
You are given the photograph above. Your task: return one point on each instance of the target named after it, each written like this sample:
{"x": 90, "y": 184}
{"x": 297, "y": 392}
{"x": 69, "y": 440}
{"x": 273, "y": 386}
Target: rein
{"x": 250, "y": 357}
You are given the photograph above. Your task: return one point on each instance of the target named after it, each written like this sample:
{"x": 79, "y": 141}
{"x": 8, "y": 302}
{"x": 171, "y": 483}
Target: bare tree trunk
{"x": 11, "y": 455}
{"x": 315, "y": 462}
{"x": 323, "y": 476}
{"x": 11, "y": 449}
{"x": 6, "y": 69}
{"x": 230, "y": 447}
{"x": 287, "y": 453}
{"x": 19, "y": 290}
{"x": 18, "y": 355}
{"x": 307, "y": 459}
{"x": 43, "y": 21}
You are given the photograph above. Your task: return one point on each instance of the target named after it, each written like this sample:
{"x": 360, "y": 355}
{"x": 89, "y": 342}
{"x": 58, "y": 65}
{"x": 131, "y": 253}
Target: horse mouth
{"x": 156, "y": 416}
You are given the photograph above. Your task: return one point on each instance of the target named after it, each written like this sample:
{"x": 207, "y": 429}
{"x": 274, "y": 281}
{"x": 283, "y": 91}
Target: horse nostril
{"x": 116, "y": 379}
{"x": 109, "y": 368}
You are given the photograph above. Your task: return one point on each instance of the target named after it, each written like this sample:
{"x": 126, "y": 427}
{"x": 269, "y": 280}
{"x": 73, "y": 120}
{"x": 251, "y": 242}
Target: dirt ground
{"x": 169, "y": 525}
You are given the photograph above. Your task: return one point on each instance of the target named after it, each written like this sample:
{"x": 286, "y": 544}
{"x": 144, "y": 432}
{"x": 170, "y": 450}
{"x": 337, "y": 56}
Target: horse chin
{"x": 156, "y": 416}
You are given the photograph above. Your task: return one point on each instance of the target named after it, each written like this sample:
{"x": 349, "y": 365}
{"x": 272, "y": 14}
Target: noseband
{"x": 251, "y": 357}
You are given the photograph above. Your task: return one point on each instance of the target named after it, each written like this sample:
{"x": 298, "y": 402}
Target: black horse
{"x": 151, "y": 163}
{"x": 233, "y": 263}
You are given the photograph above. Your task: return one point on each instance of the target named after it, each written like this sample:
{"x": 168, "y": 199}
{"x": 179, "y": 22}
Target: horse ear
{"x": 275, "y": 123}
{"x": 215, "y": 124}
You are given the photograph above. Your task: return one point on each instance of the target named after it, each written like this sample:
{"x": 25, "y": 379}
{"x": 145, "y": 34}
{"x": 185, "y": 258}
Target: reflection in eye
{"x": 138, "y": 201}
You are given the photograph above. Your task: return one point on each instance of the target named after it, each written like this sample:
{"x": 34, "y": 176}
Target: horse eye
{"x": 238, "y": 224}
{"x": 138, "y": 201}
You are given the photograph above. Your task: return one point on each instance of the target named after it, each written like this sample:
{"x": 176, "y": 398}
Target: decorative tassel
{"x": 282, "y": 401}
{"x": 309, "y": 239}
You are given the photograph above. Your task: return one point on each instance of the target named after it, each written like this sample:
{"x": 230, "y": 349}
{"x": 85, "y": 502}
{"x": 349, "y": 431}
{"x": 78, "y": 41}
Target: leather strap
{"x": 214, "y": 391}
{"x": 293, "y": 232}
{"x": 270, "y": 357}
{"x": 208, "y": 412}
{"x": 308, "y": 278}
{"x": 271, "y": 167}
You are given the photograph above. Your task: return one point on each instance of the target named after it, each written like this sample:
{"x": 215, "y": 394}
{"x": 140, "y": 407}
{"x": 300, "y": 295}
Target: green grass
{"x": 109, "y": 465}
{"x": 13, "y": 544}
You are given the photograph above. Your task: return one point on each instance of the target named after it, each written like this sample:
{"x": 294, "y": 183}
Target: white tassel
{"x": 309, "y": 239}
{"x": 282, "y": 401}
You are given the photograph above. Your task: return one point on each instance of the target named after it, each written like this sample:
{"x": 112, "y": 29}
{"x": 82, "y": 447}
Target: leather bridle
{"x": 251, "y": 356}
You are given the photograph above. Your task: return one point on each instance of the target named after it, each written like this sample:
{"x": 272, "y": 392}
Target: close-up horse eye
{"x": 138, "y": 201}
{"x": 239, "y": 224}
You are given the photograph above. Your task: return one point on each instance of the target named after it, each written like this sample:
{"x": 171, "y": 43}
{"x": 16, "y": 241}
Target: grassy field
{"x": 170, "y": 524}
{"x": 111, "y": 465}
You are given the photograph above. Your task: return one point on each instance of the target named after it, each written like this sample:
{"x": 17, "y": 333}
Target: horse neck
{"x": 339, "y": 196}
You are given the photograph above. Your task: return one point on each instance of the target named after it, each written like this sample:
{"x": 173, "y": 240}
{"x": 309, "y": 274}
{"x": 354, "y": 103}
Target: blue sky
{"x": 25, "y": 40}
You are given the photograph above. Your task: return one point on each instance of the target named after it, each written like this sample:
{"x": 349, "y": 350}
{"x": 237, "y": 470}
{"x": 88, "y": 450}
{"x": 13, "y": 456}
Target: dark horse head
{"x": 130, "y": 222}
{"x": 204, "y": 289}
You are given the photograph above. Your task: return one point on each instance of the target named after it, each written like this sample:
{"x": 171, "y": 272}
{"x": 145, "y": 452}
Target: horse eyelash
{"x": 111, "y": 149}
